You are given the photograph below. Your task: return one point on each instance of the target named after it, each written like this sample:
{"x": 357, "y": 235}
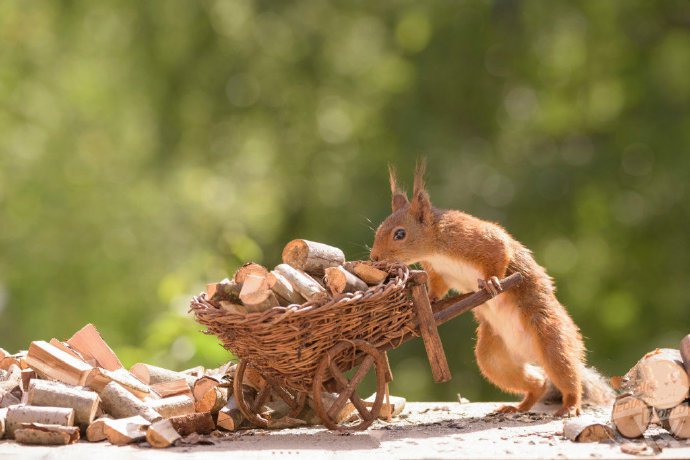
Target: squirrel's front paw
{"x": 492, "y": 286}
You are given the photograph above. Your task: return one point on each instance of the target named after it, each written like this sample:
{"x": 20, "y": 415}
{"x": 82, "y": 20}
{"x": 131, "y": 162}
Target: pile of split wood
{"x": 310, "y": 272}
{"x": 656, "y": 390}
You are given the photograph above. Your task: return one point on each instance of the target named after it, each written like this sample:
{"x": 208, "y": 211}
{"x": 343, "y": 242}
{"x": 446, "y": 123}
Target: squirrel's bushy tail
{"x": 595, "y": 389}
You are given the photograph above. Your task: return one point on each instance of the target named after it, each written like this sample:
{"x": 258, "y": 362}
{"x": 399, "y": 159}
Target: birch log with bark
{"x": 151, "y": 375}
{"x": 224, "y": 290}
{"x": 230, "y": 417}
{"x": 312, "y": 257}
{"x": 46, "y": 435}
{"x": 250, "y": 268}
{"x": 213, "y": 401}
{"x": 587, "y": 429}
{"x": 16, "y": 415}
{"x": 173, "y": 406}
{"x": 53, "y": 394}
{"x": 120, "y": 403}
{"x": 366, "y": 272}
{"x": 283, "y": 289}
{"x": 98, "y": 378}
{"x": 631, "y": 416}
{"x": 256, "y": 295}
{"x": 340, "y": 280}
{"x": 303, "y": 283}
{"x": 659, "y": 379}
{"x": 677, "y": 421}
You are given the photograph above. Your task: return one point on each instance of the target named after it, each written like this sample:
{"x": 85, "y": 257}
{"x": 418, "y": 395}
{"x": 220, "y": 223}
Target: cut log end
{"x": 631, "y": 416}
{"x": 312, "y": 257}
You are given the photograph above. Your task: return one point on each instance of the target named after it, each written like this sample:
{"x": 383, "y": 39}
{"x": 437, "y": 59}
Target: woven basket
{"x": 287, "y": 343}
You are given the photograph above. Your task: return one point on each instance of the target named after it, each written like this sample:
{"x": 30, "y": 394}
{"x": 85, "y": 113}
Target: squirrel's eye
{"x": 399, "y": 234}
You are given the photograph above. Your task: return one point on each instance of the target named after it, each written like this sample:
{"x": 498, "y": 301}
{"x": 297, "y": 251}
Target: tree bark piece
{"x": 172, "y": 388}
{"x": 162, "y": 434}
{"x": 89, "y": 343}
{"x": 631, "y": 416}
{"x": 98, "y": 378}
{"x": 230, "y": 417}
{"x": 224, "y": 290}
{"x": 16, "y": 415}
{"x": 44, "y": 434}
{"x": 303, "y": 283}
{"x": 340, "y": 280}
{"x": 125, "y": 430}
{"x": 430, "y": 337}
{"x": 198, "y": 422}
{"x": 677, "y": 421}
{"x": 685, "y": 352}
{"x": 256, "y": 295}
{"x": 659, "y": 379}
{"x": 53, "y": 394}
{"x": 213, "y": 401}
{"x": 312, "y": 257}
{"x": 283, "y": 289}
{"x": 587, "y": 429}
{"x": 94, "y": 432}
{"x": 120, "y": 403}
{"x": 366, "y": 272}
{"x": 151, "y": 375}
{"x": 250, "y": 268}
{"x": 50, "y": 362}
{"x": 173, "y": 406}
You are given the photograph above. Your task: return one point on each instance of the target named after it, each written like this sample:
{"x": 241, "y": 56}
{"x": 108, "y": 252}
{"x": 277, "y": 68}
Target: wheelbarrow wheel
{"x": 328, "y": 372}
{"x": 251, "y": 408}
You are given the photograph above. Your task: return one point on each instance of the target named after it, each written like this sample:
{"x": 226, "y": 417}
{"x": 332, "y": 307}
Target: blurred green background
{"x": 147, "y": 148}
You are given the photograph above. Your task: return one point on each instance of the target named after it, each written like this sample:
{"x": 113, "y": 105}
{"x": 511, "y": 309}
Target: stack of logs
{"x": 310, "y": 272}
{"x": 656, "y": 390}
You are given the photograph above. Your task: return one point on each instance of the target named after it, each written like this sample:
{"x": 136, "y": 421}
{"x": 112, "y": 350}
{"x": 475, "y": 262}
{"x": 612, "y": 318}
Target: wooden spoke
{"x": 261, "y": 398}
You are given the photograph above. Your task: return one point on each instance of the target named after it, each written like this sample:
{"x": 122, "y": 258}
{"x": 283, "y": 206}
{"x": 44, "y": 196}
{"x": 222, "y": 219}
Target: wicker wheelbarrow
{"x": 307, "y": 349}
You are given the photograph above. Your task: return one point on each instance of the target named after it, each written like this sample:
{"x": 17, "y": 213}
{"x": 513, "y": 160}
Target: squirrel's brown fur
{"x": 525, "y": 339}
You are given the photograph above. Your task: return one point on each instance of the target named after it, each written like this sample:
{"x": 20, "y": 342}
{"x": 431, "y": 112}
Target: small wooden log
{"x": 340, "y": 280}
{"x": 283, "y": 289}
{"x": 430, "y": 337}
{"x": 89, "y": 343}
{"x": 52, "y": 363}
{"x": 224, "y": 290}
{"x": 230, "y": 417}
{"x": 685, "y": 352}
{"x": 9, "y": 361}
{"x": 162, "y": 434}
{"x": 8, "y": 398}
{"x": 587, "y": 429}
{"x": 366, "y": 272}
{"x": 173, "y": 406}
{"x": 16, "y": 415}
{"x": 198, "y": 422}
{"x": 328, "y": 399}
{"x": 98, "y": 378}
{"x": 659, "y": 379}
{"x": 172, "y": 388}
{"x": 312, "y": 257}
{"x": 631, "y": 416}
{"x": 250, "y": 268}
{"x": 53, "y": 394}
{"x": 46, "y": 435}
{"x": 196, "y": 371}
{"x": 303, "y": 283}
{"x": 125, "y": 430}
{"x": 677, "y": 421}
{"x": 256, "y": 295}
{"x": 231, "y": 307}
{"x": 94, "y": 432}
{"x": 151, "y": 375}
{"x": 213, "y": 401}
{"x": 120, "y": 403}
{"x": 202, "y": 385}
{"x": 27, "y": 376}
{"x": 67, "y": 349}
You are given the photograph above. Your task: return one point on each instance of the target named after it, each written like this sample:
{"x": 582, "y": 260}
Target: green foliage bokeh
{"x": 147, "y": 148}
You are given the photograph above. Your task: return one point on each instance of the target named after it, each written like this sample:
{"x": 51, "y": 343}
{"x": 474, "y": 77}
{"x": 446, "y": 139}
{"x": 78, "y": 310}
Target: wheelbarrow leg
{"x": 429, "y": 331}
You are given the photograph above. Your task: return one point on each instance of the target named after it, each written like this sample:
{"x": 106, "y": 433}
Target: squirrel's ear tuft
{"x": 420, "y": 206}
{"x": 399, "y": 198}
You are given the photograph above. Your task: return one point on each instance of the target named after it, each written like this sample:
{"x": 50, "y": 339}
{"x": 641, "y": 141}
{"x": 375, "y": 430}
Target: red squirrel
{"x": 526, "y": 341}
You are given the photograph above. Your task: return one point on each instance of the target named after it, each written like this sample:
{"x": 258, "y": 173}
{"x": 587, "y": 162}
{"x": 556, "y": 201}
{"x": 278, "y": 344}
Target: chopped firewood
{"x": 230, "y": 417}
{"x": 587, "y": 429}
{"x": 367, "y": 273}
{"x": 236, "y": 308}
{"x": 173, "y": 406}
{"x": 223, "y": 370}
{"x": 677, "y": 421}
{"x": 120, "y": 403}
{"x": 685, "y": 352}
{"x": 283, "y": 289}
{"x": 340, "y": 280}
{"x": 12, "y": 379}
{"x": 312, "y": 257}
{"x": 54, "y": 394}
{"x": 50, "y": 362}
{"x": 162, "y": 434}
{"x": 198, "y": 422}
{"x": 224, "y": 290}
{"x": 250, "y": 268}
{"x": 27, "y": 375}
{"x": 172, "y": 388}
{"x": 16, "y": 415}
{"x": 90, "y": 344}
{"x": 388, "y": 410}
{"x": 46, "y": 435}
{"x": 67, "y": 349}
{"x": 303, "y": 283}
{"x": 328, "y": 400}
{"x": 94, "y": 432}
{"x": 631, "y": 416}
{"x": 8, "y": 399}
{"x": 125, "y": 430}
{"x": 659, "y": 379}
{"x": 8, "y": 361}
{"x": 213, "y": 401}
{"x": 151, "y": 375}
{"x": 196, "y": 371}
{"x": 202, "y": 385}
{"x": 98, "y": 378}
{"x": 256, "y": 295}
